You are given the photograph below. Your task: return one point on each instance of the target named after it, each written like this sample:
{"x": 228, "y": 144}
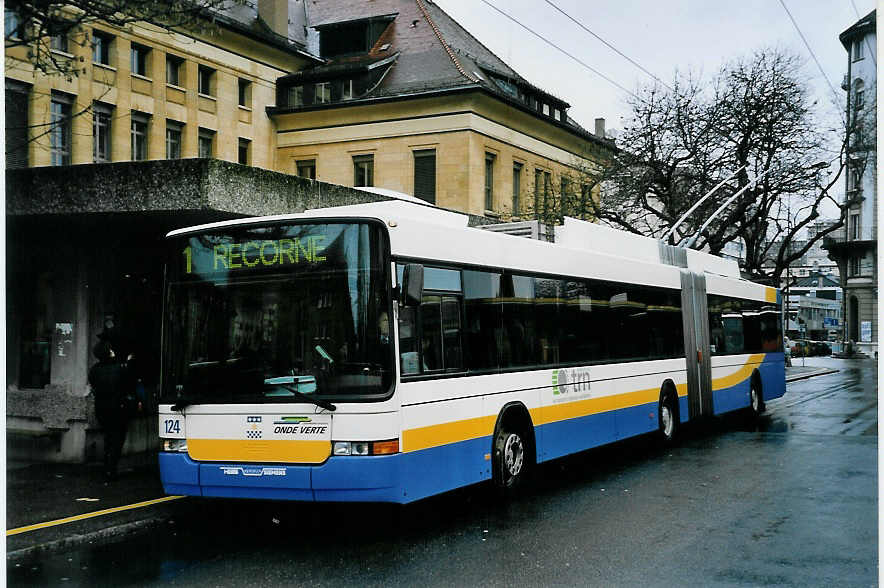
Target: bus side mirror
{"x": 412, "y": 284}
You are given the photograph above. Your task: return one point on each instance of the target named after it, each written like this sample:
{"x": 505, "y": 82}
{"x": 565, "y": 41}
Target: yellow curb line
{"x": 90, "y": 515}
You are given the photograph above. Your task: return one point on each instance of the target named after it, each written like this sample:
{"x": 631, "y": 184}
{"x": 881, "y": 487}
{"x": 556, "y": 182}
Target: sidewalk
{"x": 39, "y": 493}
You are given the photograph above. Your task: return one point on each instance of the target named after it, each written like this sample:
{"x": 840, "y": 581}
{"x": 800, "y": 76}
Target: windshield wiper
{"x": 301, "y": 396}
{"x": 181, "y": 404}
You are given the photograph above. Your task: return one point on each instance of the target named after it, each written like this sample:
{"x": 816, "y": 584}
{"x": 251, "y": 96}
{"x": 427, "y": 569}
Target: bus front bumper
{"x": 339, "y": 479}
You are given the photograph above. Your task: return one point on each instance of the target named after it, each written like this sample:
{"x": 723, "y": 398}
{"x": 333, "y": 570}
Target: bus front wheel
{"x": 511, "y": 458}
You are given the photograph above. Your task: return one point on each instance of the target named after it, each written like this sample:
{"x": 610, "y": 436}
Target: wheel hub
{"x": 668, "y": 423}
{"x": 513, "y": 455}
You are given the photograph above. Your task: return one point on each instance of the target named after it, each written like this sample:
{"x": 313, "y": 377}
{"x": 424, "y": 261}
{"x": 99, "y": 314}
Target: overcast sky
{"x": 661, "y": 36}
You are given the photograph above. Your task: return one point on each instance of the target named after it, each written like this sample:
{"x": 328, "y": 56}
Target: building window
{"x": 859, "y": 94}
{"x": 584, "y": 200}
{"x": 853, "y": 227}
{"x": 139, "y": 55}
{"x": 173, "y": 70}
{"x": 59, "y": 43}
{"x": 173, "y": 139}
{"x": 101, "y": 132}
{"x": 101, "y": 46}
{"x": 206, "y": 143}
{"x": 347, "y": 90}
{"x": 16, "y": 124}
{"x": 517, "y": 188}
{"x": 244, "y": 152}
{"x": 206, "y": 80}
{"x": 244, "y": 91}
{"x": 489, "y": 181}
{"x": 139, "y": 135}
{"x": 854, "y": 266}
{"x": 538, "y": 190}
{"x": 60, "y": 129}
{"x": 11, "y": 24}
{"x": 857, "y": 49}
{"x": 425, "y": 175}
{"x": 323, "y": 93}
{"x": 363, "y": 170}
{"x": 306, "y": 168}
{"x": 296, "y": 96}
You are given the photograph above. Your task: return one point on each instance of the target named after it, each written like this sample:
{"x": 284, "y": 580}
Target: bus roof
{"x": 421, "y": 231}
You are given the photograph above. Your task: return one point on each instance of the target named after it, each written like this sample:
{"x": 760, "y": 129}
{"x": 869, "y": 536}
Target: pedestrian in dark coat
{"x": 113, "y": 388}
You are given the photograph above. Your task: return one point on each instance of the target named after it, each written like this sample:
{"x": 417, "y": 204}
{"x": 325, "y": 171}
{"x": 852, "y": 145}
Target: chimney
{"x": 600, "y": 127}
{"x": 276, "y": 14}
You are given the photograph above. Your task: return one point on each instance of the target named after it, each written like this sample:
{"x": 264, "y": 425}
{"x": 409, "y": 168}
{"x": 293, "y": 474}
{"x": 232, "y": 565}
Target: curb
{"x": 821, "y": 372}
{"x": 80, "y": 539}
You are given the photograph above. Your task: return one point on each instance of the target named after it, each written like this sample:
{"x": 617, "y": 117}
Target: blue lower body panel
{"x": 738, "y": 396}
{"x": 350, "y": 478}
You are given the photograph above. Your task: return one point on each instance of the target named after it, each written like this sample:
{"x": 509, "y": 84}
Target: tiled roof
{"x": 866, "y": 23}
{"x": 434, "y": 52}
{"x": 814, "y": 282}
{"x": 243, "y": 18}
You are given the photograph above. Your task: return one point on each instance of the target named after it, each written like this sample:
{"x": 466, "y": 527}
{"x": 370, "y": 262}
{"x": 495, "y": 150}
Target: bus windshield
{"x": 270, "y": 312}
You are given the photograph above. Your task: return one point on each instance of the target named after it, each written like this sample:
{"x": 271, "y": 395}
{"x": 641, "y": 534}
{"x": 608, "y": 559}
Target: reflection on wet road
{"x": 843, "y": 403}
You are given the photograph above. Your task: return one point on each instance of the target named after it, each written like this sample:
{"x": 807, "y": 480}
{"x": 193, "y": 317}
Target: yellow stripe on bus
{"x": 770, "y": 295}
{"x": 253, "y": 450}
{"x": 90, "y": 515}
{"x": 464, "y": 430}
{"x": 741, "y": 375}
{"x": 436, "y": 435}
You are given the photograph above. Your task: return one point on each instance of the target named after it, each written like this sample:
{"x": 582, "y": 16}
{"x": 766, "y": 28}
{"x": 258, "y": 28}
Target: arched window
{"x": 858, "y": 94}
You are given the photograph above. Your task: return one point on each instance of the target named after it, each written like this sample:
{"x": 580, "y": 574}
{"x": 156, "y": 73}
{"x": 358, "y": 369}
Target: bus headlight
{"x": 174, "y": 445}
{"x": 365, "y": 447}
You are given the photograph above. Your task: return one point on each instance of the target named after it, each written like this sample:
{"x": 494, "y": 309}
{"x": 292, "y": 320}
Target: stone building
{"x": 408, "y": 100}
{"x": 146, "y": 93}
{"x": 855, "y": 248}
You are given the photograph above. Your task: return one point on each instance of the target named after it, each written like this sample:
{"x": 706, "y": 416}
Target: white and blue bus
{"x": 388, "y": 352}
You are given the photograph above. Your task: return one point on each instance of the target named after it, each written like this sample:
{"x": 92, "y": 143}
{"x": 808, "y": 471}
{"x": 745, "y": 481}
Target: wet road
{"x": 789, "y": 500}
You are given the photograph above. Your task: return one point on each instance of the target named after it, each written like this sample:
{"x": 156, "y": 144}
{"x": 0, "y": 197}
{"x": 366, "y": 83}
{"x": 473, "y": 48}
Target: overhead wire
{"x": 609, "y": 45}
{"x": 812, "y": 54}
{"x": 572, "y": 56}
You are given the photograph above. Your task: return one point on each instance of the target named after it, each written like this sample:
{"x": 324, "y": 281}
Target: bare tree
{"x": 755, "y": 123}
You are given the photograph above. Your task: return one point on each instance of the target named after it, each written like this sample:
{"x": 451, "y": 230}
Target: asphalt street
{"x": 790, "y": 500}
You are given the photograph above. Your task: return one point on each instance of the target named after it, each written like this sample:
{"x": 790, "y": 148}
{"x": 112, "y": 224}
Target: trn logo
{"x": 570, "y": 381}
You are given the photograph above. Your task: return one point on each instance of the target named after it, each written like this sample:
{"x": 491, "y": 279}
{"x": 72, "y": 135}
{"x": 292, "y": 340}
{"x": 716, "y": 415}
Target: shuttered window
{"x": 425, "y": 175}
{"x": 16, "y": 125}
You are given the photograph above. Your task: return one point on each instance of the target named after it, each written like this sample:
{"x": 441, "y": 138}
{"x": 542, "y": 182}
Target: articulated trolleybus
{"x": 387, "y": 352}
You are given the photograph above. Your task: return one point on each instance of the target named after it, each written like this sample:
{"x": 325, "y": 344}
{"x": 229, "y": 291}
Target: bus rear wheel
{"x": 668, "y": 418}
{"x": 756, "y": 401}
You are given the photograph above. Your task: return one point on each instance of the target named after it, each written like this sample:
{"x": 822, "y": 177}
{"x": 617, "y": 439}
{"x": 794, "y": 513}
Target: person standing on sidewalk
{"x": 114, "y": 390}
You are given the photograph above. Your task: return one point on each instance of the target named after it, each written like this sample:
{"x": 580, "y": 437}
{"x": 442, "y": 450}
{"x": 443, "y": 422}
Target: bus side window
{"x": 441, "y": 347}
{"x": 408, "y": 341}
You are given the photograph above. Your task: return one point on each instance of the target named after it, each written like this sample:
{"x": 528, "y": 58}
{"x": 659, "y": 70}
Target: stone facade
{"x": 855, "y": 248}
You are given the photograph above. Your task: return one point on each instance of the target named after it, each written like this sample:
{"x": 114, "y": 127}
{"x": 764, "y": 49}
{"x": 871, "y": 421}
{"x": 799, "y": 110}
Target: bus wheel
{"x": 668, "y": 417}
{"x": 511, "y": 459}
{"x": 756, "y": 402}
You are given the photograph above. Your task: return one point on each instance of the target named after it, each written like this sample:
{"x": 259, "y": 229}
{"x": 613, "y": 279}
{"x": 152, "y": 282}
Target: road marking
{"x": 90, "y": 515}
